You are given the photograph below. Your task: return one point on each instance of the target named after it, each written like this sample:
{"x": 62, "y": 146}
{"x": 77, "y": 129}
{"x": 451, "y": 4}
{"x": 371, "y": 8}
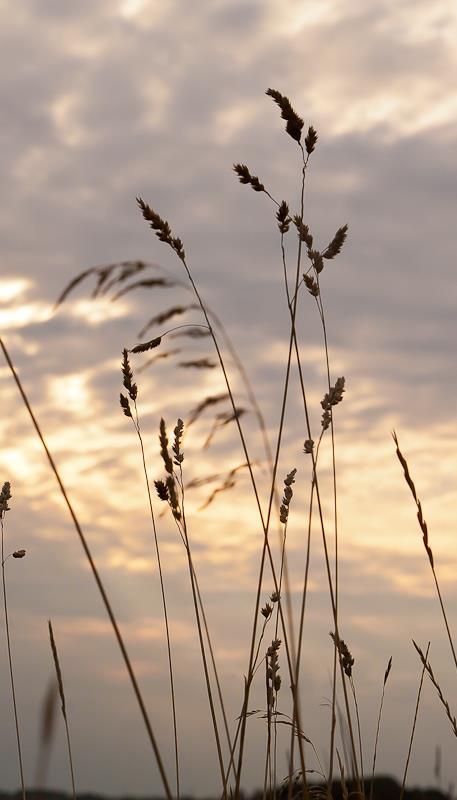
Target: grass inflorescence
{"x": 276, "y": 643}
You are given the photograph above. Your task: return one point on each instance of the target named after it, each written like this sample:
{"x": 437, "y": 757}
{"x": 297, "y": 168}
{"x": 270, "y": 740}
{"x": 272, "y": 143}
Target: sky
{"x": 106, "y": 101}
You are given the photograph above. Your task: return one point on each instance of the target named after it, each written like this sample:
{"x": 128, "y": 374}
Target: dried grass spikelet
{"x": 335, "y": 395}
{"x": 294, "y": 123}
{"x": 198, "y": 363}
{"x": 147, "y": 283}
{"x": 221, "y": 421}
{"x": 420, "y": 516}
{"x": 209, "y": 401}
{"x": 145, "y": 346}
{"x": 246, "y": 178}
{"x": 387, "y": 672}
{"x": 326, "y": 420}
{"x": 347, "y": 661}
{"x": 228, "y": 483}
{"x": 161, "y": 228}
{"x": 173, "y": 497}
{"x": 428, "y": 668}
{"x": 162, "y": 490}
{"x": 164, "y": 316}
{"x": 311, "y": 284}
{"x": 282, "y": 215}
{"x": 176, "y": 446}
{"x": 125, "y": 405}
{"x": 126, "y": 269}
{"x": 273, "y": 676}
{"x": 316, "y": 259}
{"x": 163, "y": 441}
{"x": 192, "y": 333}
{"x": 337, "y": 243}
{"x": 310, "y": 140}
{"x": 332, "y": 398}
{"x": 128, "y": 376}
{"x": 303, "y": 231}
{"x": 5, "y": 495}
{"x": 19, "y": 553}
{"x": 308, "y": 446}
{"x": 266, "y": 610}
{"x": 107, "y": 277}
{"x": 287, "y": 497}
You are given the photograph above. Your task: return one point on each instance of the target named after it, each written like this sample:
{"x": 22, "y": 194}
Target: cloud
{"x": 107, "y": 101}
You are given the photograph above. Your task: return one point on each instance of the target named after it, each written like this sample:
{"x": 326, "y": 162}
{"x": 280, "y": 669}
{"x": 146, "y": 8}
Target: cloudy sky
{"x": 107, "y": 100}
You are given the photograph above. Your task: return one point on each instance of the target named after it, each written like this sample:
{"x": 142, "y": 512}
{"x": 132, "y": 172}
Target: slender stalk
{"x": 212, "y": 657}
{"x": 320, "y": 306}
{"x": 55, "y": 656}
{"x": 386, "y": 675}
{"x": 136, "y": 423}
{"x": 293, "y": 311}
{"x": 10, "y": 663}
{"x": 413, "y": 729}
{"x": 265, "y": 524}
{"x": 428, "y": 549}
{"x": 359, "y": 730}
{"x": 96, "y": 575}
{"x": 202, "y": 644}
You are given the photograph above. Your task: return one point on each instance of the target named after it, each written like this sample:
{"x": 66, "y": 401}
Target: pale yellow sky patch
{"x": 13, "y": 287}
{"x": 24, "y": 315}
{"x": 131, "y": 8}
{"x": 98, "y": 310}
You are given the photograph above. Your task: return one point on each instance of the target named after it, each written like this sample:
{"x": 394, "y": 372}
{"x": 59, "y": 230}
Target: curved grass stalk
{"x": 428, "y": 549}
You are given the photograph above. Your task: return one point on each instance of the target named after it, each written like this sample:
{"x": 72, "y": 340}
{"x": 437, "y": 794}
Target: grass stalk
{"x": 63, "y": 705}
{"x": 5, "y": 494}
{"x": 182, "y": 525}
{"x": 136, "y": 423}
{"x": 413, "y": 729}
{"x": 428, "y": 549}
{"x": 375, "y": 752}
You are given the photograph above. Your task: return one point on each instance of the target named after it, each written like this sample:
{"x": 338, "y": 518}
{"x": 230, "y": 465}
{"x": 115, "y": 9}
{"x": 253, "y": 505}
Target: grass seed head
{"x": 337, "y": 243}
{"x": 5, "y": 495}
{"x": 163, "y": 440}
{"x": 125, "y": 405}
{"x": 294, "y": 123}
{"x": 282, "y": 215}
{"x": 128, "y": 376}
{"x": 245, "y": 177}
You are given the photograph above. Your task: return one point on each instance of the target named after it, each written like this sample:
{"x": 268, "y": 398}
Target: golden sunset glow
{"x": 159, "y": 101}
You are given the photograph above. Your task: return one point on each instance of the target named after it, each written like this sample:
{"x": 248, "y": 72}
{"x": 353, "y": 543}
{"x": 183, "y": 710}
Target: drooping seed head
{"x": 245, "y": 177}
{"x": 294, "y": 123}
